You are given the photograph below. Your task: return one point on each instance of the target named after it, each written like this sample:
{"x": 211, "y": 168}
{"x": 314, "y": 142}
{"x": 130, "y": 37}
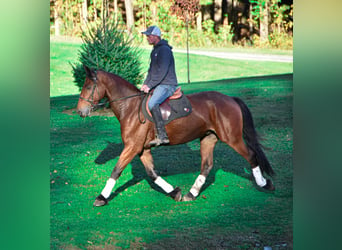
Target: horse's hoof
{"x": 176, "y": 194}
{"x": 100, "y": 201}
{"x": 269, "y": 185}
{"x": 189, "y": 197}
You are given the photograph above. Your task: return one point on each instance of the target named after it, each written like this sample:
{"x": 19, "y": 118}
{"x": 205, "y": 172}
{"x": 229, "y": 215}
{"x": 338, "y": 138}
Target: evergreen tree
{"x": 108, "y": 48}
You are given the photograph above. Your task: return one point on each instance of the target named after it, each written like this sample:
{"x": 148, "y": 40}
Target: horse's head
{"x": 92, "y": 92}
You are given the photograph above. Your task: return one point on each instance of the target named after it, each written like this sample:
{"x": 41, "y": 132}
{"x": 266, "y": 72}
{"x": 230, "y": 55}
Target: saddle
{"x": 174, "y": 107}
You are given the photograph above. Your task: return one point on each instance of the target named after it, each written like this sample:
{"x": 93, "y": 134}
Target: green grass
{"x": 230, "y": 213}
{"x": 202, "y": 68}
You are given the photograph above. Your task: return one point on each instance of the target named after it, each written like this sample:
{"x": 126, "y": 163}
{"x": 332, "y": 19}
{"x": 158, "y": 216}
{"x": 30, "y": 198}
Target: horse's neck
{"x": 118, "y": 92}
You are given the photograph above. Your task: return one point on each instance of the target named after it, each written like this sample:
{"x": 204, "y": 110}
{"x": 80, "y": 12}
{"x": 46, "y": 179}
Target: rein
{"x": 122, "y": 98}
{"x": 142, "y": 94}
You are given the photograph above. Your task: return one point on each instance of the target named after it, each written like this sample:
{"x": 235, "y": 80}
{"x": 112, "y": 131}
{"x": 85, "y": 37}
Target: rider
{"x": 162, "y": 78}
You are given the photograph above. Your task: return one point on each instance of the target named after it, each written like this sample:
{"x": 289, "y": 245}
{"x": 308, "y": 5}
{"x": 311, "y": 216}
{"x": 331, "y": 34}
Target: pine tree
{"x": 108, "y": 48}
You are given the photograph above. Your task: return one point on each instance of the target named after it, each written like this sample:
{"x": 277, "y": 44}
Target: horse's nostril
{"x": 80, "y": 113}
{"x": 83, "y": 112}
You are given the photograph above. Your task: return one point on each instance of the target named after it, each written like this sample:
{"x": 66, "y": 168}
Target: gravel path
{"x": 241, "y": 56}
{"x": 224, "y": 55}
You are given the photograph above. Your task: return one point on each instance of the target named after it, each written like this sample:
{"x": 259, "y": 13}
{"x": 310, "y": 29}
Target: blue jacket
{"x": 162, "y": 66}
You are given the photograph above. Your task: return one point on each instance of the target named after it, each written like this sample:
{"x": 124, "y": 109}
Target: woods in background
{"x": 262, "y": 23}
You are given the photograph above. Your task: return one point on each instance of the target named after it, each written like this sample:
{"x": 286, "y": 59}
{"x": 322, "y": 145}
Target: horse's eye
{"x": 88, "y": 87}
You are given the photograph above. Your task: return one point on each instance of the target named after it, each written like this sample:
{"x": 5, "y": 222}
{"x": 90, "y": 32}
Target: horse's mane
{"x": 118, "y": 79}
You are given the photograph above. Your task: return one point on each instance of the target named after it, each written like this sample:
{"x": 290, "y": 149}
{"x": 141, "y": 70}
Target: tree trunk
{"x": 250, "y": 18}
{"x": 145, "y": 16}
{"x": 217, "y": 13}
{"x": 107, "y": 7}
{"x": 104, "y": 9}
{"x": 153, "y": 8}
{"x": 57, "y": 18}
{"x": 95, "y": 11}
{"x": 264, "y": 23}
{"x": 199, "y": 20}
{"x": 116, "y": 11}
{"x": 233, "y": 13}
{"x": 67, "y": 19}
{"x": 224, "y": 12}
{"x": 84, "y": 13}
{"x": 129, "y": 14}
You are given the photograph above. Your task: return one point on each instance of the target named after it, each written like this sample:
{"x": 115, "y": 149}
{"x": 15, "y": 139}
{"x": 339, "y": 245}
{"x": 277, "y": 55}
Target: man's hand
{"x": 145, "y": 88}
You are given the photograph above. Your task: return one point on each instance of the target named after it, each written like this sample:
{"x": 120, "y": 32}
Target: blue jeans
{"x": 160, "y": 94}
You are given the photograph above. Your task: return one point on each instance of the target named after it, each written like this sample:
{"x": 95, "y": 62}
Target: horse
{"x": 214, "y": 117}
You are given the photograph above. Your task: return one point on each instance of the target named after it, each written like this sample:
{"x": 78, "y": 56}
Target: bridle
{"x": 91, "y": 97}
{"x": 95, "y": 105}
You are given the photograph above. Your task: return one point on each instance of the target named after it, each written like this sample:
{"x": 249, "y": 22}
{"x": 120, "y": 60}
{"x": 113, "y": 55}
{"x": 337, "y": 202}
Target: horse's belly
{"x": 186, "y": 129}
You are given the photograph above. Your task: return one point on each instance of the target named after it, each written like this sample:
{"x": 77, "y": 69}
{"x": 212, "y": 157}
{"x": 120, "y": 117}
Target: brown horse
{"x": 214, "y": 117}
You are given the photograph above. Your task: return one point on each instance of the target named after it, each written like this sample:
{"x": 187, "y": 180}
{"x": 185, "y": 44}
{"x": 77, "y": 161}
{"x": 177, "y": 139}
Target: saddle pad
{"x": 170, "y": 109}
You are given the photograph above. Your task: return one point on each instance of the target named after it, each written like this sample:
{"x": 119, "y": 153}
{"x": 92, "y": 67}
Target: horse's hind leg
{"x": 240, "y": 147}
{"x": 147, "y": 160}
{"x": 207, "y": 154}
{"x": 245, "y": 141}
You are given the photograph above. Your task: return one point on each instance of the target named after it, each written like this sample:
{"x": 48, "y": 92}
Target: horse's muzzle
{"x": 84, "y": 112}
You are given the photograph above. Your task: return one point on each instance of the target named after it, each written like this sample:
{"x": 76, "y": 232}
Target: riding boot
{"x": 161, "y": 138}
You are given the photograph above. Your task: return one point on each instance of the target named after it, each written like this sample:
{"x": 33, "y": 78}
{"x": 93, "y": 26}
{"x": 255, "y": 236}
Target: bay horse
{"x": 214, "y": 117}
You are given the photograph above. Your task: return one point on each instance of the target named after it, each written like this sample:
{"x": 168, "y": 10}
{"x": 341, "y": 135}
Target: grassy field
{"x": 202, "y": 68}
{"x": 230, "y": 213}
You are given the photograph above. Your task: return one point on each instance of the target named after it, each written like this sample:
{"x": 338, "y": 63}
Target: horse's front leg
{"x": 147, "y": 160}
{"x": 207, "y": 147}
{"x": 126, "y": 157}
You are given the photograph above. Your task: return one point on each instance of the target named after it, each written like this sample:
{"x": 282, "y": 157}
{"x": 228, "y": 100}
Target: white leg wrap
{"x": 163, "y": 184}
{"x": 108, "y": 188}
{"x": 259, "y": 179}
{"x": 195, "y": 189}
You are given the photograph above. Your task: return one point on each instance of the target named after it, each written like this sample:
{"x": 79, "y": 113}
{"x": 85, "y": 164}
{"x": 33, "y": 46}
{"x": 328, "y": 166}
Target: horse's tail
{"x": 252, "y": 139}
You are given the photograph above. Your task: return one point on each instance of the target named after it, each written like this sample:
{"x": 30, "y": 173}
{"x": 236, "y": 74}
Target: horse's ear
{"x": 90, "y": 73}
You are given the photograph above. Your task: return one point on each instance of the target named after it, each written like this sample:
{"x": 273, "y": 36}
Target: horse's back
{"x": 208, "y": 94}
{"x": 218, "y": 109}
{"x": 212, "y": 98}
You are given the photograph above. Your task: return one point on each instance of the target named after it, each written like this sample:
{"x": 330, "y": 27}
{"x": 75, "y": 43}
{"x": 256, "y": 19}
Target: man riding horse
{"x": 161, "y": 78}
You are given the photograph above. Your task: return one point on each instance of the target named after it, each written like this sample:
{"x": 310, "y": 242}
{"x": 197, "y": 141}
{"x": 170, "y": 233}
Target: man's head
{"x": 153, "y": 34}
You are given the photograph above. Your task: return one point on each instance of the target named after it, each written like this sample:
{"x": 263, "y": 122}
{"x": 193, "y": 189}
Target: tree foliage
{"x": 107, "y": 47}
{"x": 185, "y": 9}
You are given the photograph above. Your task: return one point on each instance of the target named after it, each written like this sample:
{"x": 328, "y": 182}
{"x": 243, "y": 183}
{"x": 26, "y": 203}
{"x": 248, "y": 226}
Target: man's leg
{"x": 160, "y": 94}
{"x": 160, "y": 126}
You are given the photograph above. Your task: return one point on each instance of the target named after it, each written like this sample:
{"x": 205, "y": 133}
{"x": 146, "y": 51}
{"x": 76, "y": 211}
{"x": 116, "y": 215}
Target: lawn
{"x": 230, "y": 212}
{"x": 202, "y": 68}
